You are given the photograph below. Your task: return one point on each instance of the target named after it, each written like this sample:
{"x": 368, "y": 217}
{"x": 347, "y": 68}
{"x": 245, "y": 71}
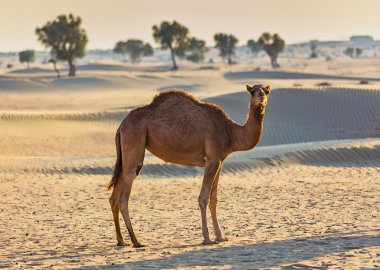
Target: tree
{"x": 66, "y": 39}
{"x": 254, "y": 46}
{"x": 137, "y": 49}
{"x": 172, "y": 36}
{"x": 197, "y": 47}
{"x": 313, "y": 49}
{"x": 27, "y": 57}
{"x": 358, "y": 52}
{"x": 273, "y": 45}
{"x": 120, "y": 49}
{"x": 349, "y": 52}
{"x": 54, "y": 62}
{"x": 226, "y": 45}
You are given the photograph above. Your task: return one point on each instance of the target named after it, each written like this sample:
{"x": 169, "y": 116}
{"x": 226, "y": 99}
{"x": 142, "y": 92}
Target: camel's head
{"x": 259, "y": 94}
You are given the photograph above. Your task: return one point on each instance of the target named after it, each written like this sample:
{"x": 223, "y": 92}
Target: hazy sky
{"x": 108, "y": 21}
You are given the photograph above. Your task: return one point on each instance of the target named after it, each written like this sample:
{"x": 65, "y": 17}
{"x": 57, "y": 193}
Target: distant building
{"x": 363, "y": 40}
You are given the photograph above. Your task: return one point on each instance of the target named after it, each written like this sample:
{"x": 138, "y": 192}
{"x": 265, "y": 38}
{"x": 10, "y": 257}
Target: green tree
{"x": 358, "y": 52}
{"x": 349, "y": 52}
{"x": 137, "y": 49}
{"x": 27, "y": 56}
{"x": 120, "y": 48}
{"x": 197, "y": 48}
{"x": 273, "y": 45}
{"x": 172, "y": 36}
{"x": 254, "y": 46}
{"x": 66, "y": 39}
{"x": 226, "y": 45}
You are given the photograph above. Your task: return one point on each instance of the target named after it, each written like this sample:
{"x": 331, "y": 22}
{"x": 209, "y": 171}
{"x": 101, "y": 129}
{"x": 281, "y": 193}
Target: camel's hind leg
{"x": 127, "y": 181}
{"x": 115, "y": 211}
{"x": 133, "y": 151}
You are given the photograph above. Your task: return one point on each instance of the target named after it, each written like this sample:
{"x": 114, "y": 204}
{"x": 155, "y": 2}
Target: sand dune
{"x": 293, "y": 116}
{"x": 104, "y": 67}
{"x": 32, "y": 71}
{"x": 91, "y": 83}
{"x": 92, "y": 67}
{"x": 358, "y": 153}
{"x": 12, "y": 84}
{"x": 283, "y": 75}
{"x": 114, "y": 115}
{"x": 305, "y": 115}
{"x": 52, "y": 83}
{"x": 91, "y": 91}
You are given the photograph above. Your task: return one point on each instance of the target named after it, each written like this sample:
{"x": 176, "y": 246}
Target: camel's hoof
{"x": 121, "y": 244}
{"x": 208, "y": 242}
{"x": 221, "y": 239}
{"x": 138, "y": 245}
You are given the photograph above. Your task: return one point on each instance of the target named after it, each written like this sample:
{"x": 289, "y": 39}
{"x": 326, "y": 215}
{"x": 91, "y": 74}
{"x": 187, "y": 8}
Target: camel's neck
{"x": 248, "y": 136}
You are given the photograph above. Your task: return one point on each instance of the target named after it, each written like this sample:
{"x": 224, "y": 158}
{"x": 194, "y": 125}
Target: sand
{"x": 306, "y": 198}
{"x": 314, "y": 216}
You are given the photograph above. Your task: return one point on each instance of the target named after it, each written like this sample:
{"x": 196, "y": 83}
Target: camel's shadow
{"x": 262, "y": 255}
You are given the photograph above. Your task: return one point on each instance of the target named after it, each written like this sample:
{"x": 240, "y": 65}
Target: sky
{"x": 107, "y": 21}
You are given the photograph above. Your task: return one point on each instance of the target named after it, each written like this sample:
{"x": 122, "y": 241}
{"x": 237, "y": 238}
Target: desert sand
{"x": 308, "y": 197}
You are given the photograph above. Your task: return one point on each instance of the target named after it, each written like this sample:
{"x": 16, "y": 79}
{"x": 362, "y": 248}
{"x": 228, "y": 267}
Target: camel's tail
{"x": 118, "y": 164}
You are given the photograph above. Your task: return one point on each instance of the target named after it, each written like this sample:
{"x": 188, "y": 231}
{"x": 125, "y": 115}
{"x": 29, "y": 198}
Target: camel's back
{"x": 177, "y": 108}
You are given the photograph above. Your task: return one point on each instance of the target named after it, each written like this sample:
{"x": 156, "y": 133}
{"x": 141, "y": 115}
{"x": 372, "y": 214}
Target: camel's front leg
{"x": 212, "y": 206}
{"x": 211, "y": 170}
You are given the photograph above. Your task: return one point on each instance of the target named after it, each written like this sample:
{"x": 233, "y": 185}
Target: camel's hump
{"x": 181, "y": 95}
{"x": 174, "y": 94}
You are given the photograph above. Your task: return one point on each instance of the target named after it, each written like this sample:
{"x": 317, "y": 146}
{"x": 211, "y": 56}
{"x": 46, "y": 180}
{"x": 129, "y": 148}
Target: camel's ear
{"x": 249, "y": 88}
{"x": 267, "y": 89}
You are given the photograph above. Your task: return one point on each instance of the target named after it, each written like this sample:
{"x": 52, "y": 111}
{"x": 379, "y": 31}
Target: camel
{"x": 178, "y": 128}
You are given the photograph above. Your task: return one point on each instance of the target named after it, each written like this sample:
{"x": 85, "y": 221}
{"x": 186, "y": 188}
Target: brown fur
{"x": 158, "y": 99}
{"x": 118, "y": 165}
{"x": 181, "y": 129}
